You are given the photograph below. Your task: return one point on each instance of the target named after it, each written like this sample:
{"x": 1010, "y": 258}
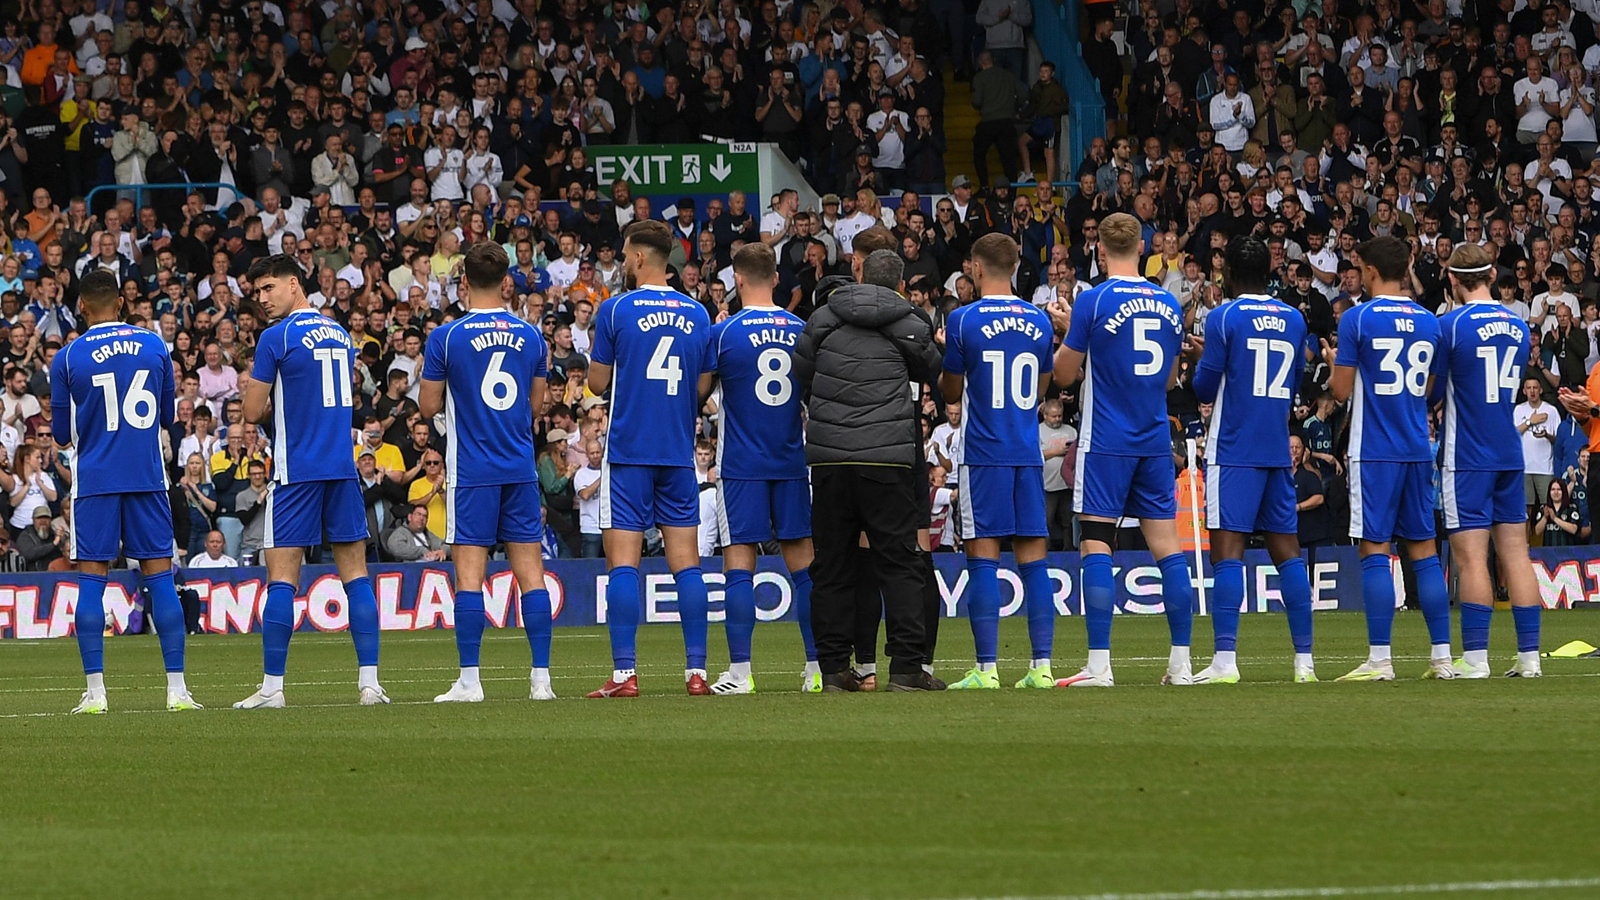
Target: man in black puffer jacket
{"x": 857, "y": 358}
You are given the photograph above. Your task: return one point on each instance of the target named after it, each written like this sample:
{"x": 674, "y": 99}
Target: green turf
{"x": 984, "y": 794}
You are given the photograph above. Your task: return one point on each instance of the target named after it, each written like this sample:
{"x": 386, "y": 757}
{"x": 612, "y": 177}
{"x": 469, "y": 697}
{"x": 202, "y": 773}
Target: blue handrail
{"x": 139, "y": 189}
{"x": 1057, "y": 30}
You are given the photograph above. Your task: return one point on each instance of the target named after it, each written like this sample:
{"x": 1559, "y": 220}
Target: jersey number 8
{"x": 773, "y": 385}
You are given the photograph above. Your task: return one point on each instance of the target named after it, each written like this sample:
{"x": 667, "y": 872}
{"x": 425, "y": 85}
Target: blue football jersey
{"x": 753, "y": 353}
{"x": 1000, "y": 345}
{"x": 1391, "y": 342}
{"x": 1256, "y": 345}
{"x": 1130, "y": 332}
{"x": 1483, "y": 348}
{"x": 658, "y": 344}
{"x": 488, "y": 360}
{"x": 306, "y": 359}
{"x": 113, "y": 388}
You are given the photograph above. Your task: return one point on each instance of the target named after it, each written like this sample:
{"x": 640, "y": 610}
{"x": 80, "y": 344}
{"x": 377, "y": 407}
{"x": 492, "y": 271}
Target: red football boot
{"x": 697, "y": 686}
{"x": 629, "y": 688}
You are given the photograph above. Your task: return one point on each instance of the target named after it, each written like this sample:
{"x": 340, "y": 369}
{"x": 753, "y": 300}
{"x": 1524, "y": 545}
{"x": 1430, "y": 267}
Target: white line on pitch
{"x": 1458, "y": 887}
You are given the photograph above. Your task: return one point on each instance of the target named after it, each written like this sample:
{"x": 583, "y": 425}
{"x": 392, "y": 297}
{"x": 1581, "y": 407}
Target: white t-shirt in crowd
{"x": 1061, "y": 436}
{"x": 588, "y": 510}
{"x": 204, "y": 561}
{"x": 562, "y": 273}
{"x": 1545, "y": 91}
{"x": 1538, "y": 452}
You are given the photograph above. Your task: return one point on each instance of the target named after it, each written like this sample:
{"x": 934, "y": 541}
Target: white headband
{"x": 1483, "y": 268}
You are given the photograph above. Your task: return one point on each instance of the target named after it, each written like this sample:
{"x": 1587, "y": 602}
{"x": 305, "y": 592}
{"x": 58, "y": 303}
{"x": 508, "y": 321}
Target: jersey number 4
{"x": 665, "y": 366}
{"x": 137, "y": 407}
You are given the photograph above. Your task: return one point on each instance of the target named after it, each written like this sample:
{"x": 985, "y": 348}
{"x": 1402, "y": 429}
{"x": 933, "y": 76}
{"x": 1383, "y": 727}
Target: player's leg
{"x": 290, "y": 525}
{"x": 147, "y": 531}
{"x": 1294, "y": 585}
{"x": 521, "y": 529}
{"x": 1511, "y": 547}
{"x": 95, "y": 543}
{"x": 625, "y": 505}
{"x": 1099, "y": 497}
{"x": 1232, "y": 506}
{"x": 1155, "y": 502}
{"x": 986, "y": 514}
{"x": 798, "y": 554}
{"x": 745, "y": 521}
{"x": 677, "y": 505}
{"x": 1029, "y": 545}
{"x": 1469, "y": 555}
{"x": 471, "y": 562}
{"x": 1417, "y": 526}
{"x": 344, "y": 515}
{"x": 1373, "y": 495}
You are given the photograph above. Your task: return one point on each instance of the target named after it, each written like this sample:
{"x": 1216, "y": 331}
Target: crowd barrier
{"x": 415, "y": 596}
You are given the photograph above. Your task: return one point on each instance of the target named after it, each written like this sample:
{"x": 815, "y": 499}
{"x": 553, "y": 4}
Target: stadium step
{"x": 960, "y": 121}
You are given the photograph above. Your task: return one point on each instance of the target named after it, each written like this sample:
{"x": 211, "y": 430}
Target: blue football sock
{"x": 536, "y": 622}
{"x": 1039, "y": 601}
{"x": 1177, "y": 594}
{"x": 1526, "y": 619}
{"x": 692, "y": 612}
{"x": 983, "y": 606}
{"x": 1433, "y": 595}
{"x": 363, "y": 604}
{"x": 470, "y": 622}
{"x": 1228, "y": 586}
{"x": 1294, "y": 583}
{"x": 739, "y": 602}
{"x": 277, "y": 624}
{"x": 624, "y": 608}
{"x": 90, "y": 623}
{"x": 1475, "y": 626}
{"x": 802, "y": 611}
{"x": 168, "y": 615}
{"x": 1099, "y": 599}
{"x": 1377, "y": 596}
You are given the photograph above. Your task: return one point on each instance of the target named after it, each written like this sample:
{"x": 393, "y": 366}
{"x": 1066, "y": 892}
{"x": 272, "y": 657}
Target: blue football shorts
{"x": 298, "y": 514}
{"x": 1390, "y": 500}
{"x": 1251, "y": 499}
{"x": 753, "y": 512}
{"x": 139, "y": 524}
{"x": 484, "y": 515}
{"x": 633, "y": 498}
{"x": 1140, "y": 487}
{"x": 1482, "y": 499}
{"x": 1001, "y": 501}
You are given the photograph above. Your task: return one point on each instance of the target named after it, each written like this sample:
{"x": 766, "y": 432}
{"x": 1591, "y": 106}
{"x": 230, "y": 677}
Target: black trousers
{"x": 847, "y": 500}
{"x": 869, "y": 607}
{"x": 1000, "y": 134}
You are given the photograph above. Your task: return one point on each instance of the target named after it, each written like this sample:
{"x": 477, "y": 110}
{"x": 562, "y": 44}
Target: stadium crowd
{"x": 375, "y": 142}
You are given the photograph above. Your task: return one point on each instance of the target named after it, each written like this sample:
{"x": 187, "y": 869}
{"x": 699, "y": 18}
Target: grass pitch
{"x": 1137, "y": 790}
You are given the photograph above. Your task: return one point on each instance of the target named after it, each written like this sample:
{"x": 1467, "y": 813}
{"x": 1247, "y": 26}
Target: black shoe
{"x": 841, "y": 683}
{"x": 915, "y": 681}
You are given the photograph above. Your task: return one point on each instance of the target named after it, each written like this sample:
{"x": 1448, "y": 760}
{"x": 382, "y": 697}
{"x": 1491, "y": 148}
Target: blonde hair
{"x": 1120, "y": 233}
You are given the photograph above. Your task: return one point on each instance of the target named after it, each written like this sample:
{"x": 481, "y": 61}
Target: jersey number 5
{"x": 1143, "y": 344}
{"x": 138, "y": 406}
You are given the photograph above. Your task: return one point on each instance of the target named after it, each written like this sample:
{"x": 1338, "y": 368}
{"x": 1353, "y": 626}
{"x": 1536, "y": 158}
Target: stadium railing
{"x": 139, "y": 189}
{"x": 1057, "y": 29}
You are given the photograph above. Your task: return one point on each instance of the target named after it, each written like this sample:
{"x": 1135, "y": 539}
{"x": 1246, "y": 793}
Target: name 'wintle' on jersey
{"x": 762, "y": 437}
{"x": 1255, "y": 347}
{"x": 488, "y": 360}
{"x": 113, "y": 388}
{"x": 1483, "y": 349}
{"x": 1001, "y": 346}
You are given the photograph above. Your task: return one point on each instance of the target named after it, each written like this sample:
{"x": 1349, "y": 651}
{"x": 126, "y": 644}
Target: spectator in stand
{"x": 995, "y": 95}
{"x": 1536, "y": 422}
{"x": 213, "y": 556}
{"x": 415, "y": 541}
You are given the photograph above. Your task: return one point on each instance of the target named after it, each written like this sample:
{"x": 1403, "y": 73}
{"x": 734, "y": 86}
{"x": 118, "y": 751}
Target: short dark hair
{"x": 650, "y": 235}
{"x": 873, "y": 239}
{"x": 1246, "y": 265}
{"x": 486, "y": 265}
{"x": 278, "y": 265}
{"x": 998, "y": 252}
{"x": 1389, "y": 255}
{"x": 756, "y": 262}
{"x": 99, "y": 289}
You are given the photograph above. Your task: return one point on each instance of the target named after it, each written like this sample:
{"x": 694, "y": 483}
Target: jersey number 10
{"x": 1024, "y": 381}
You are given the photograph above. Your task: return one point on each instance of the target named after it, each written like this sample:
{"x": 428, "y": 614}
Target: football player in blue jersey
{"x": 1125, "y": 338}
{"x": 654, "y": 343}
{"x": 487, "y": 371}
{"x": 1483, "y": 348}
{"x": 301, "y": 382}
{"x": 1255, "y": 350}
{"x": 997, "y": 359}
{"x": 1382, "y": 366}
{"x": 761, "y": 460}
{"x": 111, "y": 394}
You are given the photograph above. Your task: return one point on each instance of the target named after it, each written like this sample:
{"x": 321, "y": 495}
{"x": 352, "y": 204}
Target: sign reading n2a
{"x": 678, "y": 168}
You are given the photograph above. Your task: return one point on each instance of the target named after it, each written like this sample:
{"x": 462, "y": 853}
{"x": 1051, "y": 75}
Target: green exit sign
{"x": 679, "y": 168}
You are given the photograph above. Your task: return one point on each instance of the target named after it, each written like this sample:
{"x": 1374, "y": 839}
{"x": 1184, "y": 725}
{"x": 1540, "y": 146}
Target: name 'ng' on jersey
{"x": 113, "y": 387}
{"x": 1256, "y": 345}
{"x": 1001, "y": 345}
{"x": 1130, "y": 332}
{"x": 1483, "y": 348}
{"x": 1391, "y": 343}
{"x": 488, "y": 360}
{"x": 306, "y": 358}
{"x": 657, "y": 342}
{"x": 762, "y": 438}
